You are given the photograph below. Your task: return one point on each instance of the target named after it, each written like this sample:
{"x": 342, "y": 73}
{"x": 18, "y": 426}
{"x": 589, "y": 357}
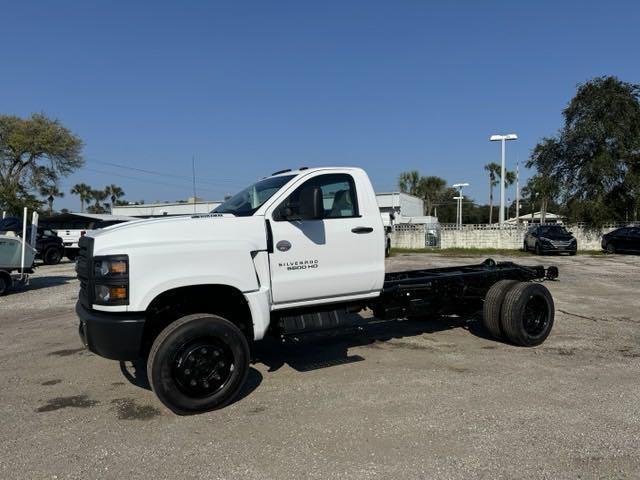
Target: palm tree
{"x": 98, "y": 196}
{"x": 114, "y": 192}
{"x": 51, "y": 192}
{"x": 431, "y": 189}
{"x": 83, "y": 191}
{"x": 409, "y": 182}
{"x": 494, "y": 176}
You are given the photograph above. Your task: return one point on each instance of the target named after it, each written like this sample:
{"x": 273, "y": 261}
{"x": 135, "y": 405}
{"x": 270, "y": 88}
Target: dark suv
{"x": 550, "y": 238}
{"x": 626, "y": 239}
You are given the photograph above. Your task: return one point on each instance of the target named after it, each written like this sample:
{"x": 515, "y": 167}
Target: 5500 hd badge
{"x": 299, "y": 265}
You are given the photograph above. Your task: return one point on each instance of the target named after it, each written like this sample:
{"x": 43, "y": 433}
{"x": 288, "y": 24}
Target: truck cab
{"x": 190, "y": 295}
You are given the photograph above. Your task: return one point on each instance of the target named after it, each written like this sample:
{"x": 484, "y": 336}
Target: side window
{"x": 339, "y": 197}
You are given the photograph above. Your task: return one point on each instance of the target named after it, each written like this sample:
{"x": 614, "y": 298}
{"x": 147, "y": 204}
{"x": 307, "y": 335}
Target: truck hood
{"x": 181, "y": 232}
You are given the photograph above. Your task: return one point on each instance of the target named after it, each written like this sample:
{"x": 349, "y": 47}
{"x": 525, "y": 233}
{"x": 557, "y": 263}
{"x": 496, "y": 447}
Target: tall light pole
{"x": 459, "y": 198}
{"x": 502, "y": 139}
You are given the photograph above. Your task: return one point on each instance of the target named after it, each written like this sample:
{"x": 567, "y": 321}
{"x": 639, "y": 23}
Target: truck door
{"x": 336, "y": 255}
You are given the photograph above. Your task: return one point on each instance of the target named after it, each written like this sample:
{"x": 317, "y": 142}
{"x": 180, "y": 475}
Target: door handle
{"x": 362, "y": 229}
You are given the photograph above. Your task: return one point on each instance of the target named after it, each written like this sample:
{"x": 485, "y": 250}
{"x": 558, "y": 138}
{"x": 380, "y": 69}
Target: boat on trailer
{"x": 17, "y": 252}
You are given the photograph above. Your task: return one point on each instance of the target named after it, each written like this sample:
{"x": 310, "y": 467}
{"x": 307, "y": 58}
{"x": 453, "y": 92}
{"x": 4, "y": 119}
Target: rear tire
{"x": 493, "y": 306}
{"x": 527, "y": 314}
{"x": 198, "y": 363}
{"x": 611, "y": 248}
{"x": 52, "y": 256}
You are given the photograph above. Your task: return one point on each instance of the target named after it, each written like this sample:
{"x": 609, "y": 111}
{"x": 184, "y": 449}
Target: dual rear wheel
{"x": 521, "y": 313}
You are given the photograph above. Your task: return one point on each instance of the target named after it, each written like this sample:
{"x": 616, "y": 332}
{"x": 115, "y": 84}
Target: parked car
{"x": 548, "y": 239}
{"x": 626, "y": 239}
{"x": 49, "y": 246}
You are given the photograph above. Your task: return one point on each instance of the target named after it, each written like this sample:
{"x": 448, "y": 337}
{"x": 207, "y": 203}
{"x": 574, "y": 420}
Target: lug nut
{"x": 187, "y": 372}
{"x": 203, "y": 351}
{"x": 192, "y": 383}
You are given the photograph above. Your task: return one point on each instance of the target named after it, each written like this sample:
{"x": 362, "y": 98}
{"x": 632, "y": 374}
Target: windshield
{"x": 555, "y": 230}
{"x": 246, "y": 202}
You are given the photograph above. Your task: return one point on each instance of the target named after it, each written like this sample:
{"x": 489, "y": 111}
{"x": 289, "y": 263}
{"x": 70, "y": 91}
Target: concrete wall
{"x": 489, "y": 236}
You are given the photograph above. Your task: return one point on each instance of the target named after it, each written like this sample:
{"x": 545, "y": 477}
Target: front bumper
{"x": 117, "y": 336}
{"x": 549, "y": 247}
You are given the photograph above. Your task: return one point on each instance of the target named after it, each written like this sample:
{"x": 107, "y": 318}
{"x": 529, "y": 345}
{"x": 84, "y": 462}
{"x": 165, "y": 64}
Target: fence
{"x": 485, "y": 236}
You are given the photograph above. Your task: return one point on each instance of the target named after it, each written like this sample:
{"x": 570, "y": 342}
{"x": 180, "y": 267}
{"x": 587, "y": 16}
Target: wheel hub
{"x": 535, "y": 316}
{"x": 202, "y": 367}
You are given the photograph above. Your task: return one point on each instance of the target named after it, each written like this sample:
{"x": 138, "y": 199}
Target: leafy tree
{"x": 494, "y": 171}
{"x": 595, "y": 158}
{"x": 51, "y": 192}
{"x": 114, "y": 192}
{"x": 84, "y": 192}
{"x": 34, "y": 152}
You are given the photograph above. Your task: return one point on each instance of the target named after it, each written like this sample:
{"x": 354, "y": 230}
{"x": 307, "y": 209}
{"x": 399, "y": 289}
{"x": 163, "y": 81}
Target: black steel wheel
{"x": 527, "y": 314}
{"x": 492, "y": 306}
{"x": 52, "y": 256}
{"x": 198, "y": 363}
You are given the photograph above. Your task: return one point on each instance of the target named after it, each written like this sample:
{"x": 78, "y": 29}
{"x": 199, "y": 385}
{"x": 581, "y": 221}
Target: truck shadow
{"x": 136, "y": 373}
{"x": 326, "y": 350}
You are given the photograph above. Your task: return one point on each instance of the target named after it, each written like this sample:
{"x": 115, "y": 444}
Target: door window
{"x": 339, "y": 199}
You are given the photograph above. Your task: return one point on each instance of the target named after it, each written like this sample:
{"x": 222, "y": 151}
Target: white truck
{"x": 286, "y": 256}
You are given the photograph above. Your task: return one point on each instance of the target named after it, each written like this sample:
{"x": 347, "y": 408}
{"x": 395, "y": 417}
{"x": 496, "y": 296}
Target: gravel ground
{"x": 410, "y": 399}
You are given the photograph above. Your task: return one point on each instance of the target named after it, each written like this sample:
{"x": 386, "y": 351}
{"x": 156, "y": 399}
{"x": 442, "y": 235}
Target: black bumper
{"x": 547, "y": 248}
{"x": 117, "y": 336}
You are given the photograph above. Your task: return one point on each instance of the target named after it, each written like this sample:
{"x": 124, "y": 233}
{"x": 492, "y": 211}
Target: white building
{"x": 406, "y": 209}
{"x": 147, "y": 210}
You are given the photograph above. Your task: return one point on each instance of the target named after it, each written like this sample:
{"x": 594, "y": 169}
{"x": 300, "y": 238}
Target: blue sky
{"x": 252, "y": 87}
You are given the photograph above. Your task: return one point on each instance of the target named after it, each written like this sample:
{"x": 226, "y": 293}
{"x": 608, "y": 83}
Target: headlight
{"x": 111, "y": 294}
{"x": 112, "y": 266}
{"x": 111, "y": 280}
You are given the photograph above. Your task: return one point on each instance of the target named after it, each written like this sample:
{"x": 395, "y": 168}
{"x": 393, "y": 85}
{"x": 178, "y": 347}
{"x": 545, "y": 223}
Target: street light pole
{"x": 459, "y": 198}
{"x": 502, "y": 139}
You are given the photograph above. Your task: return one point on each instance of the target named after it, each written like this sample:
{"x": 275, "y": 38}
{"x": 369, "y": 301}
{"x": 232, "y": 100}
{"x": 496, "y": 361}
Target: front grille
{"x": 84, "y": 265}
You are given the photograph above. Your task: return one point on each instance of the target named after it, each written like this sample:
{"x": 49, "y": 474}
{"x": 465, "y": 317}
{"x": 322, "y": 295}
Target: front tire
{"x": 538, "y": 249}
{"x": 527, "y": 314}
{"x": 4, "y": 285}
{"x": 198, "y": 363}
{"x": 52, "y": 256}
{"x": 611, "y": 248}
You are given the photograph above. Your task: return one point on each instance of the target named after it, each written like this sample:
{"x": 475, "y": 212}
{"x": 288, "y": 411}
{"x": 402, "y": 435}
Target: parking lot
{"x": 402, "y": 399}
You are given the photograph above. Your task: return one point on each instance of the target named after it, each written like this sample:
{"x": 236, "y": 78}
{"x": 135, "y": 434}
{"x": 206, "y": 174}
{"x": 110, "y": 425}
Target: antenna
{"x": 193, "y": 171}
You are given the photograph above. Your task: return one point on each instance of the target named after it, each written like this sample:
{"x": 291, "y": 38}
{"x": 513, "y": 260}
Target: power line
{"x": 143, "y": 180}
{"x": 218, "y": 182}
